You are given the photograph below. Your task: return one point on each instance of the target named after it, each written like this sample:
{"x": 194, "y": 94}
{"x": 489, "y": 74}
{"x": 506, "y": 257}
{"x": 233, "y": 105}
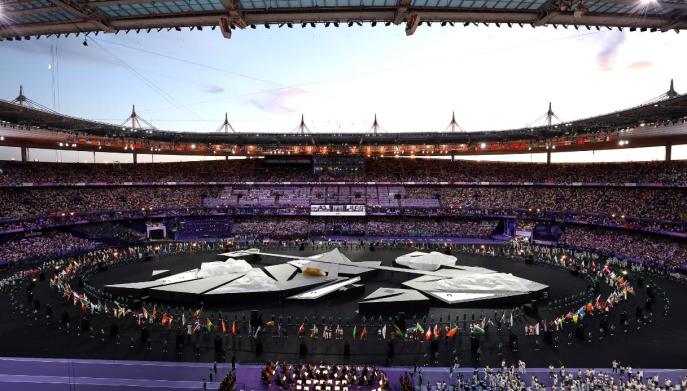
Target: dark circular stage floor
{"x": 660, "y": 344}
{"x": 561, "y": 282}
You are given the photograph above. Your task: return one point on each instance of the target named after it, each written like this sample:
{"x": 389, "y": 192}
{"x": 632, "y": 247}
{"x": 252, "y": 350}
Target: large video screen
{"x": 337, "y": 210}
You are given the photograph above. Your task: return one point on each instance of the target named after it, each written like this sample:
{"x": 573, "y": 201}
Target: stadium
{"x": 316, "y": 260}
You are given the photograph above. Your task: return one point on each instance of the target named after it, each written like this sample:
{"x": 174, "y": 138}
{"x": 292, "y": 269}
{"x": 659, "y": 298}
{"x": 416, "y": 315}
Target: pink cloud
{"x": 282, "y": 101}
{"x": 643, "y": 64}
{"x": 609, "y": 51}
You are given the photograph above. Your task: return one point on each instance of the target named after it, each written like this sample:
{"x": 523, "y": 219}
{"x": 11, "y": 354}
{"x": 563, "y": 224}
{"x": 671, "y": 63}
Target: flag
{"x": 428, "y": 334}
{"x": 511, "y": 319}
{"x": 452, "y": 332}
{"x": 196, "y": 327}
{"x": 398, "y": 331}
{"x": 301, "y": 329}
{"x": 437, "y": 331}
{"x": 224, "y": 327}
{"x": 166, "y": 320}
{"x": 145, "y": 313}
{"x": 363, "y": 334}
{"x": 234, "y": 329}
{"x": 183, "y": 318}
{"x": 154, "y": 312}
{"x": 536, "y": 329}
{"x": 196, "y": 313}
{"x": 355, "y": 331}
{"x": 384, "y": 332}
{"x": 419, "y": 328}
{"x": 208, "y": 324}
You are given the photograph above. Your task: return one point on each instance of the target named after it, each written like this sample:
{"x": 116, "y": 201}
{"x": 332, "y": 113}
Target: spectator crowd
{"x": 380, "y": 170}
{"x": 43, "y": 247}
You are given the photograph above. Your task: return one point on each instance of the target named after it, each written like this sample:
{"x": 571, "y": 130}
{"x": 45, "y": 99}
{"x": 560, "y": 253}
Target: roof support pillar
{"x": 225, "y": 27}
{"x": 234, "y": 18}
{"x": 135, "y": 156}
{"x": 548, "y": 157}
{"x": 669, "y": 152}
{"x": 401, "y": 11}
{"x": 24, "y": 154}
{"x": 412, "y": 23}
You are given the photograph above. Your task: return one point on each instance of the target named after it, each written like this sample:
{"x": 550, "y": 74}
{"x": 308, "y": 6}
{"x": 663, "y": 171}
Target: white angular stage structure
{"x": 426, "y": 278}
{"x": 419, "y": 260}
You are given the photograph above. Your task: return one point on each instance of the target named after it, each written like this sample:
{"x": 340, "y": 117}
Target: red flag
{"x": 428, "y": 334}
{"x": 437, "y": 331}
{"x": 224, "y": 327}
{"x": 166, "y": 320}
{"x": 363, "y": 334}
{"x": 234, "y": 330}
{"x": 301, "y": 329}
{"x": 452, "y": 332}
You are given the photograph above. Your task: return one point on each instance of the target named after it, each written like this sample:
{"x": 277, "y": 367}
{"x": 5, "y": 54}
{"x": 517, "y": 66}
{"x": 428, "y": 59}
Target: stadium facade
{"x": 661, "y": 121}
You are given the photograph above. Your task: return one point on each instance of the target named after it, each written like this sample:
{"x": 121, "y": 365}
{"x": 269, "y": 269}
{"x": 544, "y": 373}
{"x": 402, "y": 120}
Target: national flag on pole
{"x": 234, "y": 329}
{"x": 363, "y": 334}
{"x": 419, "y": 328}
{"x": 511, "y": 319}
{"x": 428, "y": 334}
{"x": 384, "y": 332}
{"x": 166, "y": 320}
{"x": 437, "y": 331}
{"x": 197, "y": 313}
{"x": 145, "y": 313}
{"x": 301, "y": 329}
{"x": 224, "y": 327}
{"x": 208, "y": 324}
{"x": 452, "y": 332}
{"x": 355, "y": 331}
{"x": 154, "y": 312}
{"x": 398, "y": 331}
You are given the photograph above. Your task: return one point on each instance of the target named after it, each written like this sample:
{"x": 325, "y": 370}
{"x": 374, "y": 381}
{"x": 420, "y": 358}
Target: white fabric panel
{"x": 254, "y": 281}
{"x": 419, "y": 260}
{"x": 213, "y": 269}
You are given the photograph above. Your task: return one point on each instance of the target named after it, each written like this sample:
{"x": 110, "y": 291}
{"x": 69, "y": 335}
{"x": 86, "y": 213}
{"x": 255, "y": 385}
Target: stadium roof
{"x": 660, "y": 121}
{"x": 22, "y": 19}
